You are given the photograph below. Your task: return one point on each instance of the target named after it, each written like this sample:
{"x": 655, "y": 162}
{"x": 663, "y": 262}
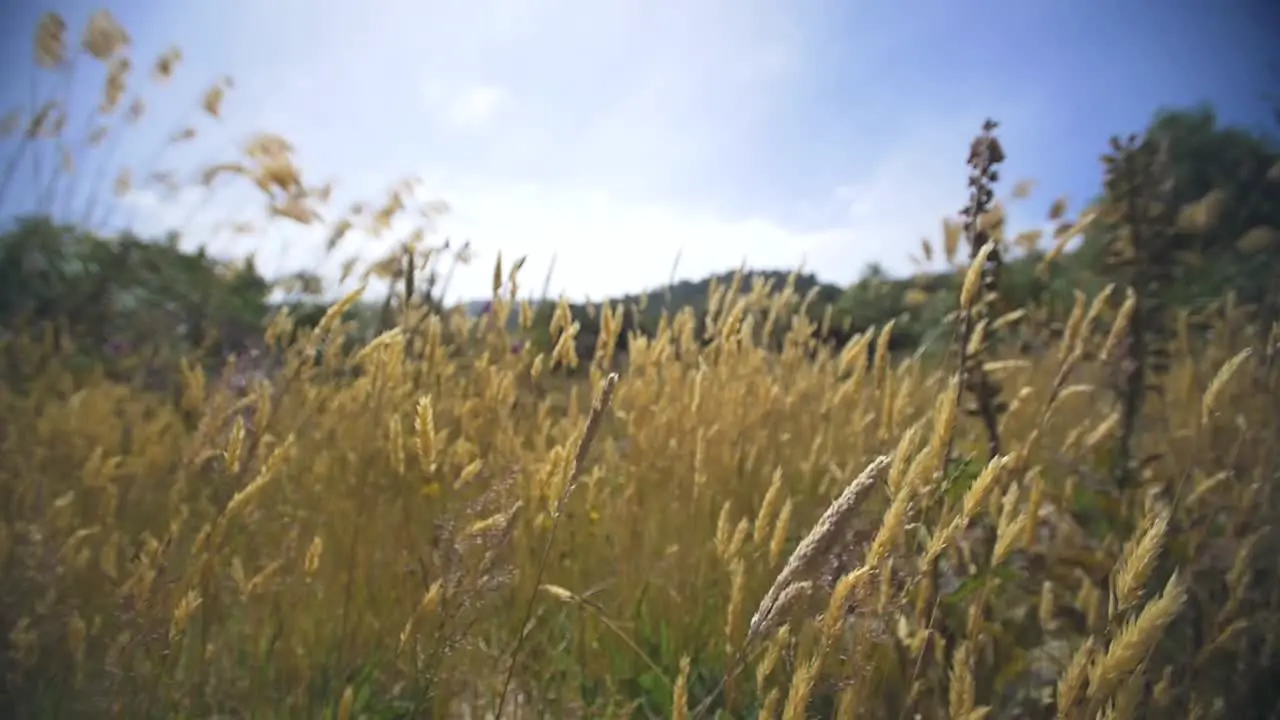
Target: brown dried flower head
{"x": 51, "y": 41}
{"x": 103, "y": 36}
{"x": 117, "y": 83}
{"x": 213, "y": 97}
{"x": 167, "y": 64}
{"x": 294, "y": 208}
{"x": 42, "y": 121}
{"x": 266, "y": 146}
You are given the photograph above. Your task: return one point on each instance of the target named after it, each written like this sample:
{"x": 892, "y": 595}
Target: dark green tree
{"x": 1226, "y": 188}
{"x": 125, "y": 292}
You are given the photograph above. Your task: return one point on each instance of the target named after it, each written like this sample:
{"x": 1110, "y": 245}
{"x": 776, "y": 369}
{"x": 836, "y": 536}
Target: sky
{"x": 613, "y": 136}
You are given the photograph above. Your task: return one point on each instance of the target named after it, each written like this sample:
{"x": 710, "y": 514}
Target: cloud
{"x": 600, "y": 245}
{"x": 615, "y": 136}
{"x": 468, "y": 108}
{"x": 605, "y": 243}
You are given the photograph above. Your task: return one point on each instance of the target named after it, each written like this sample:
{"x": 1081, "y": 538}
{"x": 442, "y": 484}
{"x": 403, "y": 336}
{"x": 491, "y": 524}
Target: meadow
{"x": 739, "y": 521}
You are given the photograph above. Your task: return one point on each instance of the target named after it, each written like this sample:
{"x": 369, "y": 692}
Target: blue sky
{"x": 614, "y": 134}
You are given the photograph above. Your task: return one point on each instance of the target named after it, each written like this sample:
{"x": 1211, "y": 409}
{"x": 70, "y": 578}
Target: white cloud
{"x": 606, "y": 243}
{"x": 475, "y": 106}
{"x": 601, "y": 245}
{"x": 616, "y": 136}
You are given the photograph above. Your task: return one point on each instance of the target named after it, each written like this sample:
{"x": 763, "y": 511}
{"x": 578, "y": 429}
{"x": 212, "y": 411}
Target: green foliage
{"x": 1222, "y": 179}
{"x": 125, "y": 291}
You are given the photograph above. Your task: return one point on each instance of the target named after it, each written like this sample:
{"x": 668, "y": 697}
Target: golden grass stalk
{"x": 803, "y": 563}
{"x": 801, "y": 687}
{"x": 680, "y": 695}
{"x": 1138, "y": 561}
{"x": 1131, "y": 646}
{"x": 594, "y": 419}
{"x": 1075, "y": 679}
{"x": 1220, "y": 381}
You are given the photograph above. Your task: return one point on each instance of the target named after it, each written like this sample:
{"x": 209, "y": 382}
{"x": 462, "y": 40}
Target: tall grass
{"x": 428, "y": 526}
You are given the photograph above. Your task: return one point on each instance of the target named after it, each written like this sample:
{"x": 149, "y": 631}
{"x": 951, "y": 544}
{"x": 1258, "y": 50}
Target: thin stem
{"x": 580, "y": 456}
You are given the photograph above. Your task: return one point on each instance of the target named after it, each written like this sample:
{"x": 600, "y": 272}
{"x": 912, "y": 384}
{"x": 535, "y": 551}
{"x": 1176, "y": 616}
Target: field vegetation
{"x": 1040, "y": 483}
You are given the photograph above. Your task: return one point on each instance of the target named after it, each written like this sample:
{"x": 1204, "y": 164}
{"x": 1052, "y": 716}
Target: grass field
{"x": 430, "y": 526}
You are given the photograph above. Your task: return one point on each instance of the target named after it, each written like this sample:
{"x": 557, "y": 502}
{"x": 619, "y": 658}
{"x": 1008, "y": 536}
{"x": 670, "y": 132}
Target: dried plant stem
{"x": 579, "y": 460}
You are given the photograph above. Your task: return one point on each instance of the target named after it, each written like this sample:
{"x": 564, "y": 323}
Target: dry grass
{"x": 420, "y": 530}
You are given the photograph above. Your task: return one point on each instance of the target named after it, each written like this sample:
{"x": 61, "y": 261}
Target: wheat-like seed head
{"x": 818, "y": 543}
{"x": 1121, "y": 325}
{"x": 1134, "y": 642}
{"x": 50, "y": 40}
{"x": 1139, "y": 561}
{"x": 103, "y": 36}
{"x": 801, "y": 686}
{"x": 973, "y": 277}
{"x": 680, "y": 695}
{"x": 1220, "y": 381}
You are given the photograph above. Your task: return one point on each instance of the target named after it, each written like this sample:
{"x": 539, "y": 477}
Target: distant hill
{"x": 474, "y": 308}
{"x": 695, "y": 293}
